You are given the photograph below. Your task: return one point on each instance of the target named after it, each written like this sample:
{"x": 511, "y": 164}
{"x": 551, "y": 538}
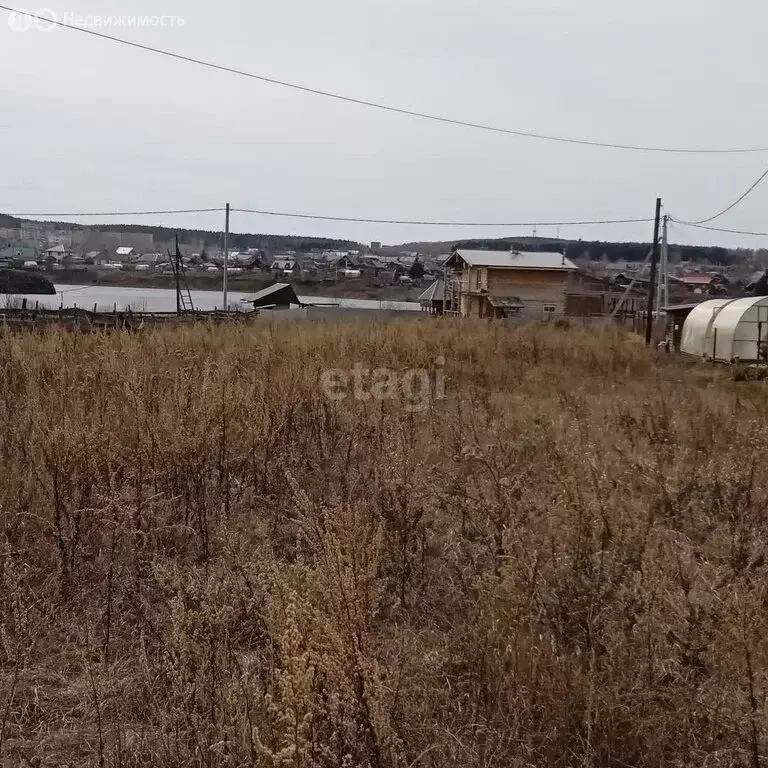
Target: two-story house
{"x": 501, "y": 284}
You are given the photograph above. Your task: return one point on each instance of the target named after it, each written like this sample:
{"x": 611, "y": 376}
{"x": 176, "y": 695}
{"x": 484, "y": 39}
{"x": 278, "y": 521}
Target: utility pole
{"x": 654, "y": 264}
{"x": 176, "y": 273}
{"x": 226, "y": 255}
{"x": 661, "y": 299}
{"x": 665, "y": 253}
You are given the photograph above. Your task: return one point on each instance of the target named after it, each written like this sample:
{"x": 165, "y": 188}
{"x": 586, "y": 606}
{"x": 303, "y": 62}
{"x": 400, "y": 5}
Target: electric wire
{"x": 113, "y": 213}
{"x": 348, "y": 219}
{"x": 417, "y": 222}
{"x": 736, "y": 202}
{"x": 385, "y": 107}
{"x": 718, "y": 229}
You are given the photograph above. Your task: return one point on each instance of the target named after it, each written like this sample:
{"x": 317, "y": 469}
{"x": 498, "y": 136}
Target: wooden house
{"x": 498, "y": 284}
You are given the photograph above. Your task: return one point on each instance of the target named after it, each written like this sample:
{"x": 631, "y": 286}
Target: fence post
{"x": 714, "y": 346}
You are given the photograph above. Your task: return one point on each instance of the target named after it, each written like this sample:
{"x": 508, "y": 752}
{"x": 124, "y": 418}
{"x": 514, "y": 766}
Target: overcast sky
{"x": 86, "y": 124}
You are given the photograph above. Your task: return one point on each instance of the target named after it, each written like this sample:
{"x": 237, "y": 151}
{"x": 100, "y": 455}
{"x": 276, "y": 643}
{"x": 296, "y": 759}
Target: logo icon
{"x": 44, "y": 20}
{"x": 18, "y": 21}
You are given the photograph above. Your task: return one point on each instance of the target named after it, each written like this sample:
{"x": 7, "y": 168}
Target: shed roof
{"x": 150, "y": 258}
{"x": 280, "y": 294}
{"x": 682, "y": 307}
{"x": 435, "y": 292}
{"x": 513, "y": 259}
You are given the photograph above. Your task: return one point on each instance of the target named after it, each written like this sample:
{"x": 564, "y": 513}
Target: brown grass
{"x": 205, "y": 562}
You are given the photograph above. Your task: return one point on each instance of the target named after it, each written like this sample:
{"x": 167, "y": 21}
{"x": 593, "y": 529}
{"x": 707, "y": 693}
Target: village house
{"x": 15, "y": 255}
{"x": 149, "y": 261}
{"x": 56, "y": 254}
{"x": 497, "y": 284}
{"x": 96, "y": 258}
{"x": 124, "y": 253}
{"x": 283, "y": 264}
{"x": 592, "y": 296}
{"x": 345, "y": 262}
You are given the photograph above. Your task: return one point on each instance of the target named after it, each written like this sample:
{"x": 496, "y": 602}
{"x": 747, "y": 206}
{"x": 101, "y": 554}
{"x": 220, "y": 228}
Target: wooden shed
{"x": 277, "y": 296}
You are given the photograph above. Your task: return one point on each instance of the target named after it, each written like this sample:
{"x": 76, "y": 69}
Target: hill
{"x": 575, "y": 249}
{"x": 206, "y": 238}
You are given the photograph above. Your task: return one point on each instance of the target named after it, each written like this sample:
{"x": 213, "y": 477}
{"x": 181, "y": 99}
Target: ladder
{"x": 183, "y": 295}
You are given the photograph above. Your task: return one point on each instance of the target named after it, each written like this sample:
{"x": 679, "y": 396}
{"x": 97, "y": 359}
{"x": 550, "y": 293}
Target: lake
{"x": 107, "y": 298}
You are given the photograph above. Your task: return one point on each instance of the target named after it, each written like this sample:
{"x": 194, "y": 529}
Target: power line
{"x": 738, "y": 200}
{"x": 350, "y": 219}
{"x": 415, "y": 222}
{"x": 111, "y": 213}
{"x": 385, "y": 107}
{"x": 718, "y": 229}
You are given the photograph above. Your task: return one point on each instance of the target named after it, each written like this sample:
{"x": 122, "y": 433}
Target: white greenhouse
{"x": 726, "y": 329}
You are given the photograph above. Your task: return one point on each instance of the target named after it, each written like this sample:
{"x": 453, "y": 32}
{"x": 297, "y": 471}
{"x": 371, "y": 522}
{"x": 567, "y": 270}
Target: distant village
{"x": 532, "y": 284}
{"x": 86, "y": 250}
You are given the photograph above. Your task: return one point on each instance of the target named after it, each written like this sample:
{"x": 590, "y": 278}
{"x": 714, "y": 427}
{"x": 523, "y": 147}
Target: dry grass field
{"x": 205, "y": 561}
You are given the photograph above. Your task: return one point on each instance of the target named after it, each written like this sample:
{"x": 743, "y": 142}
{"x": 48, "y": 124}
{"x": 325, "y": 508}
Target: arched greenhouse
{"x": 726, "y": 329}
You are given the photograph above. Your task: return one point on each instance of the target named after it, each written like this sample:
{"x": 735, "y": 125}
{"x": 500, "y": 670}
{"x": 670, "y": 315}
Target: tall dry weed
{"x": 205, "y": 561}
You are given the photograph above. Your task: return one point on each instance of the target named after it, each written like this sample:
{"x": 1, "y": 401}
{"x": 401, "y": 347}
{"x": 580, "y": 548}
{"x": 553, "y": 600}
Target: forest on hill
{"x": 237, "y": 241}
{"x": 573, "y": 249}
{"x": 597, "y": 250}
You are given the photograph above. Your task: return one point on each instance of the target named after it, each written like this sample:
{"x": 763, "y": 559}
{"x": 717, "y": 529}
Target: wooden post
{"x": 225, "y": 299}
{"x": 654, "y": 264}
{"x": 714, "y": 346}
{"x": 176, "y": 270}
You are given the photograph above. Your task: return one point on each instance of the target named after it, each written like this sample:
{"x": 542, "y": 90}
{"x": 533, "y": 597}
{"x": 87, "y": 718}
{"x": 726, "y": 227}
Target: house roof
{"x": 17, "y": 252}
{"x": 435, "y": 292}
{"x": 277, "y": 294}
{"x": 375, "y": 262}
{"x": 514, "y": 259}
{"x": 696, "y": 279}
{"x": 352, "y": 260}
{"x": 58, "y": 248}
{"x": 124, "y": 251}
{"x": 683, "y": 308}
{"x": 508, "y": 302}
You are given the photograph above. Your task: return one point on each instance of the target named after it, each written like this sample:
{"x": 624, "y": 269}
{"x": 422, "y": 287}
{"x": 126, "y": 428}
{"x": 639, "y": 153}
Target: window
{"x": 477, "y": 280}
{"x": 550, "y": 308}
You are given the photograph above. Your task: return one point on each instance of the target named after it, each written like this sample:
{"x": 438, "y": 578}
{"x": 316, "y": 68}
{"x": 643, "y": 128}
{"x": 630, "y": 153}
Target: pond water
{"x": 107, "y": 298}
